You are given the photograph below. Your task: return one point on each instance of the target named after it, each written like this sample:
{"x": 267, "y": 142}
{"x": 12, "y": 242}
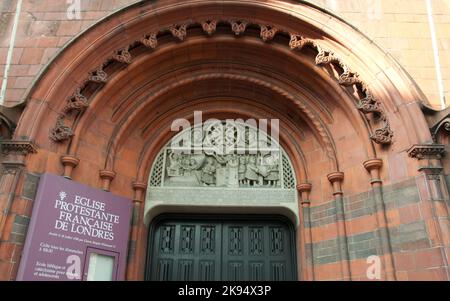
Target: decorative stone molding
{"x": 69, "y": 163}
{"x": 367, "y": 105}
{"x": 209, "y": 26}
{"x": 336, "y": 179}
{"x": 139, "y": 190}
{"x": 373, "y": 166}
{"x": 11, "y": 147}
{"x": 98, "y": 76}
{"x": 61, "y": 132}
{"x": 122, "y": 56}
{"x": 238, "y": 26}
{"x": 179, "y": 31}
{"x": 150, "y": 41}
{"x": 268, "y": 32}
{"x": 304, "y": 189}
{"x": 77, "y": 102}
{"x": 107, "y": 176}
{"x": 427, "y": 151}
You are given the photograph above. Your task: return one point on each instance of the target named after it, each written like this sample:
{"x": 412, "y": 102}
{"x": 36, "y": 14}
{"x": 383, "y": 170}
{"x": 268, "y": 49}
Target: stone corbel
{"x": 107, "y": 176}
{"x": 304, "y": 190}
{"x": 69, "y": 163}
{"x": 139, "y": 190}
{"x": 336, "y": 179}
{"x": 373, "y": 166}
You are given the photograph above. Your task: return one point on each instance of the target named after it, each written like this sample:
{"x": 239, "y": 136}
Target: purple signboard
{"x": 76, "y": 232}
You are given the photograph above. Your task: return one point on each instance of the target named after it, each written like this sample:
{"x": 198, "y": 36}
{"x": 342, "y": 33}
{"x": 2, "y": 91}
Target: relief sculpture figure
{"x": 209, "y": 172}
{"x": 251, "y": 173}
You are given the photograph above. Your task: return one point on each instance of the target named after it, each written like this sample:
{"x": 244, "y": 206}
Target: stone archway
{"x": 102, "y": 110}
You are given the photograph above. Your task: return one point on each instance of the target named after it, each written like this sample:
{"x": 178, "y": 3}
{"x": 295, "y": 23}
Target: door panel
{"x": 221, "y": 249}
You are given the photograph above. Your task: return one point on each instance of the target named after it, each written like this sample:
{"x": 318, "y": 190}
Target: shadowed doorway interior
{"x": 221, "y": 248}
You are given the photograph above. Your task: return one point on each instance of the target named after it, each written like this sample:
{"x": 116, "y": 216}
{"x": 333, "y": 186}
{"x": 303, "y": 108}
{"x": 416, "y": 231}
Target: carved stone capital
{"x": 427, "y": 151}
{"x": 70, "y": 160}
{"x": 107, "y": 174}
{"x": 179, "y": 31}
{"x": 12, "y": 147}
{"x": 139, "y": 189}
{"x": 372, "y": 164}
{"x": 69, "y": 163}
{"x": 304, "y": 187}
{"x": 139, "y": 186}
{"x": 336, "y": 177}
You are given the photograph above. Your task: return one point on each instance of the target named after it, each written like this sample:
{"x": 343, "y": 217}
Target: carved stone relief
{"x": 231, "y": 158}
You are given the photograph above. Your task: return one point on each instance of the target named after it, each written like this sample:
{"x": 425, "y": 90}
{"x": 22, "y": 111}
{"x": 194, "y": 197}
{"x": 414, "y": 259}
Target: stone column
{"x": 305, "y": 202}
{"x": 373, "y": 166}
{"x": 136, "y": 230}
{"x": 336, "y": 179}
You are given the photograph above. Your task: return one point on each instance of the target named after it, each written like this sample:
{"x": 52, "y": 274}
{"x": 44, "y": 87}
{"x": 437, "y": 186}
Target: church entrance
{"x": 221, "y": 248}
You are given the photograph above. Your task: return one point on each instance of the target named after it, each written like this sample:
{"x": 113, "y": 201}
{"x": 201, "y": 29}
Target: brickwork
{"x": 409, "y": 231}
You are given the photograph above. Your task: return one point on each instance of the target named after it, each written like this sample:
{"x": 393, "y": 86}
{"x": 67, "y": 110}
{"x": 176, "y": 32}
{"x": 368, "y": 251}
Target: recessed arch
{"x": 95, "y": 99}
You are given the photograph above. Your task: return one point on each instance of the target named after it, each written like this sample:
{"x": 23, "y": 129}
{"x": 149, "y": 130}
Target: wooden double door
{"x": 221, "y": 248}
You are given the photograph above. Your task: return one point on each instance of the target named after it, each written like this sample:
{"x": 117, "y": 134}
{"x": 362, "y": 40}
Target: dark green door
{"x": 229, "y": 248}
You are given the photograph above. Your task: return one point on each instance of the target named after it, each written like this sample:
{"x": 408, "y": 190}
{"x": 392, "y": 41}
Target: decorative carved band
{"x": 179, "y": 31}
{"x": 98, "y": 76}
{"x": 427, "y": 151}
{"x": 122, "y": 56}
{"x": 61, "y": 132}
{"x": 150, "y": 41}
{"x": 11, "y": 147}
{"x": 209, "y": 26}
{"x": 368, "y": 104}
{"x": 77, "y": 102}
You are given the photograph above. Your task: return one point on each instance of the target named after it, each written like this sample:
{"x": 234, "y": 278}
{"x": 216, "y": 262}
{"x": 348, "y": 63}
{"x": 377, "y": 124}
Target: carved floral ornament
{"x": 368, "y": 104}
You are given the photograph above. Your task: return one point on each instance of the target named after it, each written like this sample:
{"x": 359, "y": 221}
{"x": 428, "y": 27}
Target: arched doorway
{"x": 101, "y": 114}
{"x": 221, "y": 248}
{"x": 222, "y": 167}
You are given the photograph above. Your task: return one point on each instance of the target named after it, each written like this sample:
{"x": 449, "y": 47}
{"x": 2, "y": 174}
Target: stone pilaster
{"x": 139, "y": 189}
{"x": 435, "y": 194}
{"x": 304, "y": 192}
{"x": 373, "y": 166}
{"x": 336, "y": 179}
